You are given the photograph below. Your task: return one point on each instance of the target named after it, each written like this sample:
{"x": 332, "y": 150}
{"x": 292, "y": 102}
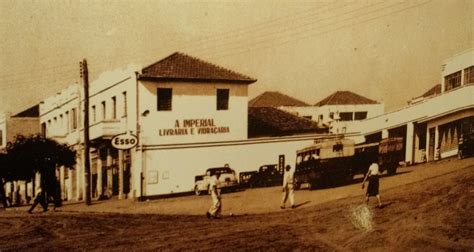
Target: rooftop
{"x": 275, "y": 99}
{"x": 345, "y": 98}
{"x": 268, "y": 121}
{"x": 179, "y": 66}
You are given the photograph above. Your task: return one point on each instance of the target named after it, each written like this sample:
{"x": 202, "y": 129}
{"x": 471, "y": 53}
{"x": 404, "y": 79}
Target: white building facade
{"x": 432, "y": 125}
{"x": 187, "y": 114}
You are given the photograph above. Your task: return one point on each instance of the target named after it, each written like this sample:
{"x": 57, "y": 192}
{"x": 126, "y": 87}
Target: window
{"x": 94, "y": 118}
{"x": 331, "y": 115}
{"x": 67, "y": 122}
{"x": 222, "y": 99}
{"x": 104, "y": 113}
{"x": 320, "y": 118}
{"x": 345, "y": 116}
{"x": 469, "y": 75}
{"x": 452, "y": 81}
{"x": 43, "y": 129}
{"x": 124, "y": 94}
{"x": 164, "y": 99}
{"x": 114, "y": 107}
{"x": 360, "y": 115}
{"x": 74, "y": 118}
{"x": 1, "y": 137}
{"x": 61, "y": 121}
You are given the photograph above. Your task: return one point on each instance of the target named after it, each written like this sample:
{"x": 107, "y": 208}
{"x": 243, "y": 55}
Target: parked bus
{"x": 325, "y": 162}
{"x": 336, "y": 161}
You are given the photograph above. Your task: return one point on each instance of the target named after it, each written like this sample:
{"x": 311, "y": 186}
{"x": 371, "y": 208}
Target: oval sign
{"x": 124, "y": 141}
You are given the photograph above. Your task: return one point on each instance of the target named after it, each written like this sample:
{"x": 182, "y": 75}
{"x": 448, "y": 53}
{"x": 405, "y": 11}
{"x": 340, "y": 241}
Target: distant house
{"x": 25, "y": 123}
{"x": 283, "y": 102}
{"x": 435, "y": 90}
{"x": 344, "y": 107}
{"x": 268, "y": 121}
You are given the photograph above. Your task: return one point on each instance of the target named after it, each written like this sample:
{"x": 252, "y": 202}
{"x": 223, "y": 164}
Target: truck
{"x": 388, "y": 152}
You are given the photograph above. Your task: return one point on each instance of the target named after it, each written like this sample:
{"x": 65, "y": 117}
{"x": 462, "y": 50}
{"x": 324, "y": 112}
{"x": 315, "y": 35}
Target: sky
{"x": 389, "y": 51}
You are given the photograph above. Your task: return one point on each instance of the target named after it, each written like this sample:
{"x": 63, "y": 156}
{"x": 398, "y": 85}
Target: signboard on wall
{"x": 281, "y": 163}
{"x": 124, "y": 141}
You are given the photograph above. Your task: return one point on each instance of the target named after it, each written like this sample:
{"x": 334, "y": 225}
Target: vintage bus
{"x": 326, "y": 162}
{"x": 336, "y": 161}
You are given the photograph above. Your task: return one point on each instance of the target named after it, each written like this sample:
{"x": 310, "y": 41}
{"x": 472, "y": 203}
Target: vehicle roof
{"x": 327, "y": 144}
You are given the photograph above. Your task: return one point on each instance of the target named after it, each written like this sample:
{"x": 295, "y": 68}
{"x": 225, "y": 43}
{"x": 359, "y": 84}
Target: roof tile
{"x": 179, "y": 66}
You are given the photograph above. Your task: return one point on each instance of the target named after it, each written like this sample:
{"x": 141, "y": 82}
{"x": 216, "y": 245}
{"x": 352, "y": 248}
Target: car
{"x": 228, "y": 180}
{"x": 466, "y": 145}
{"x": 267, "y": 175}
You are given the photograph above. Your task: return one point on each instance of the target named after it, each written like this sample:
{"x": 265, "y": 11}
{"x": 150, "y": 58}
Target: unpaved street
{"x": 427, "y": 207}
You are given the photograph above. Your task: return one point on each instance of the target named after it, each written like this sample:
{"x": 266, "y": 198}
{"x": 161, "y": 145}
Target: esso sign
{"x": 124, "y": 141}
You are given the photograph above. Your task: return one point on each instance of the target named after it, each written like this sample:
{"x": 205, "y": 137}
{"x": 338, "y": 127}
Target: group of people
{"x": 289, "y": 189}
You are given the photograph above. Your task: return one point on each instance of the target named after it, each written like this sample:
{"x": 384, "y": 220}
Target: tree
{"x": 27, "y": 156}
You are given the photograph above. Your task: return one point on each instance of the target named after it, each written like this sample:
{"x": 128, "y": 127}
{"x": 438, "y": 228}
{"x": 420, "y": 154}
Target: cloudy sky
{"x": 389, "y": 51}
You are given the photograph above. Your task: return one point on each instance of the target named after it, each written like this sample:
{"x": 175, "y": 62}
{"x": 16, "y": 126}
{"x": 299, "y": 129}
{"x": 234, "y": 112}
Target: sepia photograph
{"x": 237, "y": 125}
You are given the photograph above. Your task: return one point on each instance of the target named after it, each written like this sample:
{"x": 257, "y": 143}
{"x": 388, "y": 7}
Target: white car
{"x": 227, "y": 179}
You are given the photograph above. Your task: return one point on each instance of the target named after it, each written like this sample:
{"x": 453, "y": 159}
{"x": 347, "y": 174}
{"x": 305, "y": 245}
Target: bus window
{"x": 337, "y": 147}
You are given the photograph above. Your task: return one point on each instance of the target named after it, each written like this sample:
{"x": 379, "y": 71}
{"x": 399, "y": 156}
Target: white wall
{"x": 192, "y": 101}
{"x": 177, "y": 165}
{"x": 457, "y": 63}
{"x": 450, "y": 102}
{"x": 3, "y": 129}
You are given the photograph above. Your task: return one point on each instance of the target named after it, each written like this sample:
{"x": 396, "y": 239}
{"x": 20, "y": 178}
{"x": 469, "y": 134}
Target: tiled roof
{"x": 345, "y": 98}
{"x": 275, "y": 99}
{"x": 31, "y": 112}
{"x": 179, "y": 66}
{"x": 268, "y": 121}
{"x": 433, "y": 91}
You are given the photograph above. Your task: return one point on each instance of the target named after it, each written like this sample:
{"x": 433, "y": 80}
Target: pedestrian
{"x": 288, "y": 187}
{"x": 373, "y": 188}
{"x": 215, "y": 191}
{"x": 42, "y": 199}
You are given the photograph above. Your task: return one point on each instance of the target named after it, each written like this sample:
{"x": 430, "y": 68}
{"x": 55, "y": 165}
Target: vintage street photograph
{"x": 237, "y": 125}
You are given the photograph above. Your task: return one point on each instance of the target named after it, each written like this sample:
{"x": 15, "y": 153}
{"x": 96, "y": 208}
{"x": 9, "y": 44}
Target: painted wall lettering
{"x": 194, "y": 127}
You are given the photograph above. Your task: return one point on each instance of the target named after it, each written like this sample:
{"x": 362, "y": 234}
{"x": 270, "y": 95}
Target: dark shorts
{"x": 373, "y": 188}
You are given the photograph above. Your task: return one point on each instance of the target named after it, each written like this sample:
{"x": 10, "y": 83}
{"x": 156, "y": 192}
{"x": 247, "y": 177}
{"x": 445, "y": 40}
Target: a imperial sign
{"x": 124, "y": 141}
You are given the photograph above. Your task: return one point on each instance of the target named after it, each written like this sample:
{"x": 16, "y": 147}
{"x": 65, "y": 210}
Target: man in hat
{"x": 288, "y": 187}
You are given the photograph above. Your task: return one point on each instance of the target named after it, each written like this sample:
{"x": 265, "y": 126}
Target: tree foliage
{"x": 28, "y": 155}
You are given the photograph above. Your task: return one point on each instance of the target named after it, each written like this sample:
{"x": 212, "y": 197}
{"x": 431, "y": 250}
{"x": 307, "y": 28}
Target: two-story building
{"x": 432, "y": 123}
{"x": 187, "y": 114}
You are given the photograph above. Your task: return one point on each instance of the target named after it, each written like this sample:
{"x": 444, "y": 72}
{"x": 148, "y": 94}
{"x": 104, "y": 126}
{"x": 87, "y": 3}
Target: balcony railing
{"x": 105, "y": 129}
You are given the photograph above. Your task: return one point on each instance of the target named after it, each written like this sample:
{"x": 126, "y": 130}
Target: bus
{"x": 326, "y": 162}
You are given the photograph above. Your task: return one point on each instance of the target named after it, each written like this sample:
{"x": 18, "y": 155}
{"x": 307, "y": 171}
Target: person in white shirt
{"x": 288, "y": 188}
{"x": 373, "y": 188}
{"x": 215, "y": 191}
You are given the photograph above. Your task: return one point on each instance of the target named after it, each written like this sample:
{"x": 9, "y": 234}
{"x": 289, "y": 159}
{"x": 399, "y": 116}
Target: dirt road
{"x": 427, "y": 207}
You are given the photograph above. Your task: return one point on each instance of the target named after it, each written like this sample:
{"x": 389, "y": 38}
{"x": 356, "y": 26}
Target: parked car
{"x": 267, "y": 175}
{"x": 466, "y": 145}
{"x": 228, "y": 180}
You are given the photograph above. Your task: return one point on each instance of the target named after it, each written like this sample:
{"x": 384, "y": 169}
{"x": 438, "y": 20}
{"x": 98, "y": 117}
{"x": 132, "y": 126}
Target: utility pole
{"x": 87, "y": 163}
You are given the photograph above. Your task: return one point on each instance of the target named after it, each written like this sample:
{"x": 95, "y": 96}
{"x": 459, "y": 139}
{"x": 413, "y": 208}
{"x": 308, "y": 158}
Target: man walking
{"x": 215, "y": 191}
{"x": 42, "y": 199}
{"x": 288, "y": 188}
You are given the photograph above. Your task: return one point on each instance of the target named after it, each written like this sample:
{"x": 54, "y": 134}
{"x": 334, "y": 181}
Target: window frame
{"x": 164, "y": 97}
